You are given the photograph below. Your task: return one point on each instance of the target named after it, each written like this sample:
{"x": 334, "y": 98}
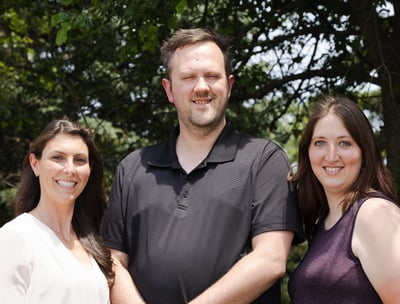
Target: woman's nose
{"x": 332, "y": 153}
{"x": 69, "y": 166}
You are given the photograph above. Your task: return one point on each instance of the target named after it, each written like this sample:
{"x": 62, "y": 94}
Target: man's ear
{"x": 166, "y": 83}
{"x": 231, "y": 80}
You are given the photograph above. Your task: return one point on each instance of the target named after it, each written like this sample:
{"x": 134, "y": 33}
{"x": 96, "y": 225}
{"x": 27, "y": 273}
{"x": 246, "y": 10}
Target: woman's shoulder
{"x": 22, "y": 225}
{"x": 17, "y": 235}
{"x": 377, "y": 214}
{"x": 376, "y": 203}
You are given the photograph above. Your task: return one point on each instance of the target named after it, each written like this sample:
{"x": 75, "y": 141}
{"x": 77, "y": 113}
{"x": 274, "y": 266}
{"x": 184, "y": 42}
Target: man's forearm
{"x": 253, "y": 274}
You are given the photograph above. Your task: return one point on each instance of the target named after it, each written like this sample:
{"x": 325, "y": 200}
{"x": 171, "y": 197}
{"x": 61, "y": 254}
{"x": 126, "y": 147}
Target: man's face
{"x": 198, "y": 85}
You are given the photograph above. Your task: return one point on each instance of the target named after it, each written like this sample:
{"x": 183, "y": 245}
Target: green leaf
{"x": 59, "y": 18}
{"x": 62, "y": 34}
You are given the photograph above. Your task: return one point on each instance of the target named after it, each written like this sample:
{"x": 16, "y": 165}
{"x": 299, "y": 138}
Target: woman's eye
{"x": 318, "y": 143}
{"x": 345, "y": 144}
{"x": 81, "y": 160}
{"x": 57, "y": 157}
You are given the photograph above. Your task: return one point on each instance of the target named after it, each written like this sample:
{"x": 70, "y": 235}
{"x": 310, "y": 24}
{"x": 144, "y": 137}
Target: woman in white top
{"x": 51, "y": 252}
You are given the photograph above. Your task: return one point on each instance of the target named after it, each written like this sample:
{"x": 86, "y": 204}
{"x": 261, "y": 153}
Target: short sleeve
{"x": 15, "y": 266}
{"x": 113, "y": 224}
{"x": 274, "y": 205}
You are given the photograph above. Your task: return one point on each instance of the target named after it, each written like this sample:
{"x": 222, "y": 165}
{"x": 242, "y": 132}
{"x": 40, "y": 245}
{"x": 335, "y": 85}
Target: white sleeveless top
{"x": 36, "y": 268}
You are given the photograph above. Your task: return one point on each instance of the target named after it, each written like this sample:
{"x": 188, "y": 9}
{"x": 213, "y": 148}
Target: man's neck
{"x": 193, "y": 148}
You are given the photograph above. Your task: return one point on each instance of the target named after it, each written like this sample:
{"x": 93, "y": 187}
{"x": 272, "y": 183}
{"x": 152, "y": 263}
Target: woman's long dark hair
{"x": 373, "y": 175}
{"x": 90, "y": 204}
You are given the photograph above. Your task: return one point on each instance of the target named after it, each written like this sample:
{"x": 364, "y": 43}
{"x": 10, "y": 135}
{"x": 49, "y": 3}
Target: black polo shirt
{"x": 182, "y": 232}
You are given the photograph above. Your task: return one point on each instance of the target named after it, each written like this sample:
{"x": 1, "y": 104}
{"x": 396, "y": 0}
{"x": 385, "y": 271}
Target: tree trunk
{"x": 391, "y": 131}
{"x": 382, "y": 40}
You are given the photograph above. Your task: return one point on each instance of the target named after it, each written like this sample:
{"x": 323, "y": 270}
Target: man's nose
{"x": 201, "y": 84}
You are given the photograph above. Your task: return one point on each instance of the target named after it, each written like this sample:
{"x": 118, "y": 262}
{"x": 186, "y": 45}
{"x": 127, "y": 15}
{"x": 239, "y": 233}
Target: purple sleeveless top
{"x": 329, "y": 271}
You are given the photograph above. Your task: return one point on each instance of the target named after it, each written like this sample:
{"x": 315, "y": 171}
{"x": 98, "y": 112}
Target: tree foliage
{"x": 286, "y": 54}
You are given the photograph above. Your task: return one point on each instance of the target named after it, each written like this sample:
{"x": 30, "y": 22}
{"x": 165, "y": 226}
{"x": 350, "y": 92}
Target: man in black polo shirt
{"x": 207, "y": 216}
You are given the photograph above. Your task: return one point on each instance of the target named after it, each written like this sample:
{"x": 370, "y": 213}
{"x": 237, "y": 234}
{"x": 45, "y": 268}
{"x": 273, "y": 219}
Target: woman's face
{"x": 334, "y": 155}
{"x": 63, "y": 169}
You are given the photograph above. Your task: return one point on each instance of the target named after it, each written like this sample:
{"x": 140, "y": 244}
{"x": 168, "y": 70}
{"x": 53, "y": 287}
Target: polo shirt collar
{"x": 224, "y": 149}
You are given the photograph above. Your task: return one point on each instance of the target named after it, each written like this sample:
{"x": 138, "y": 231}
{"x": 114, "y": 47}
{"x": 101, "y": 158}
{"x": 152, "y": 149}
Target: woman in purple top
{"x": 351, "y": 220}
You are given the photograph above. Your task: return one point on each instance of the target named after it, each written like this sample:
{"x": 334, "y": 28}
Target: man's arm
{"x": 124, "y": 290}
{"x": 254, "y": 273}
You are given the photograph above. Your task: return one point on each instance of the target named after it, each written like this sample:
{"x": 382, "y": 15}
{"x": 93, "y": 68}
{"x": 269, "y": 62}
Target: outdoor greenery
{"x": 96, "y": 62}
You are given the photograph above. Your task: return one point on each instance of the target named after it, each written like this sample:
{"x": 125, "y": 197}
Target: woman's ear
{"x": 34, "y": 164}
